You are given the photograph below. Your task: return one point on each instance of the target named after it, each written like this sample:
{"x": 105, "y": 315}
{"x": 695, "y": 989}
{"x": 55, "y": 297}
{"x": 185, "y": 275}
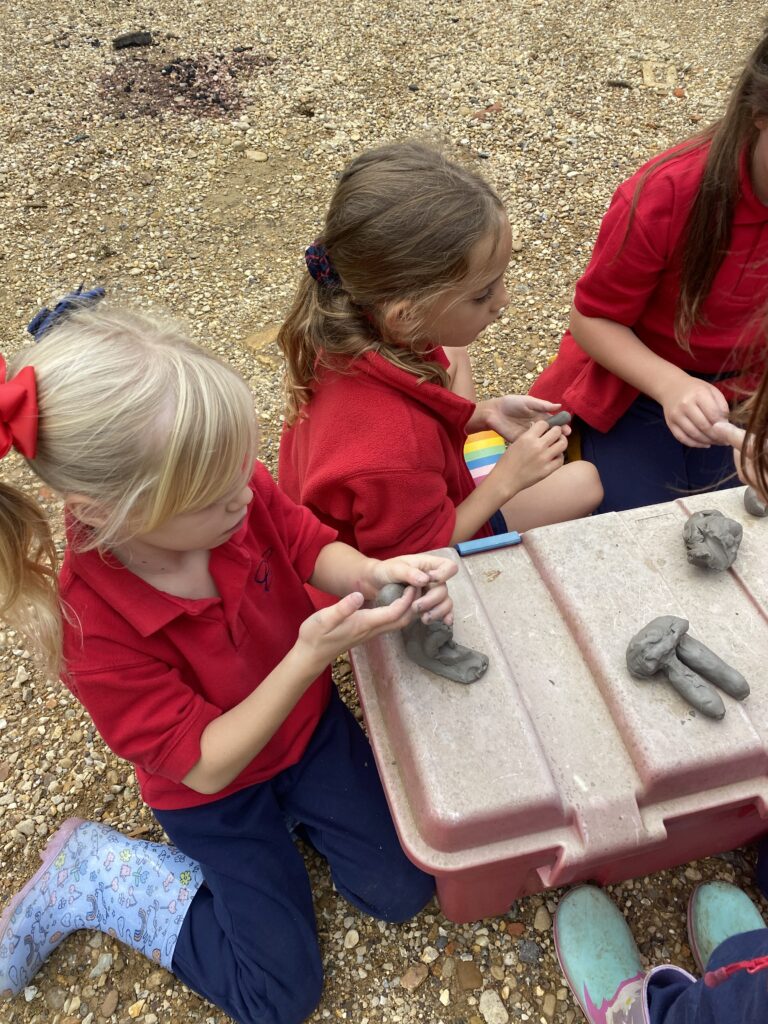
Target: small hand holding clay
{"x": 511, "y": 415}
{"x": 711, "y": 539}
{"x": 431, "y": 645}
{"x": 664, "y": 645}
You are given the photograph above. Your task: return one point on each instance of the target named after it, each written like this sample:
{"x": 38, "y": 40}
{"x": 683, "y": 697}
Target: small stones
{"x": 429, "y": 955}
{"x": 257, "y": 155}
{"x": 351, "y": 939}
{"x": 528, "y": 952}
{"x": 102, "y": 965}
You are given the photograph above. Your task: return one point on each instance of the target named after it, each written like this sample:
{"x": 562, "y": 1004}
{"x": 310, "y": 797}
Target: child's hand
{"x": 729, "y": 433}
{"x": 535, "y": 454}
{"x": 345, "y": 624}
{"x": 692, "y": 407}
{"x": 511, "y": 415}
{"x": 429, "y": 573}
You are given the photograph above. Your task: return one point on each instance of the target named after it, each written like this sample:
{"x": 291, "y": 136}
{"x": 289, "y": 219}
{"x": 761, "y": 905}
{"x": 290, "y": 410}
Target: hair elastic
{"x": 319, "y": 265}
{"x": 46, "y": 318}
{"x": 18, "y": 412}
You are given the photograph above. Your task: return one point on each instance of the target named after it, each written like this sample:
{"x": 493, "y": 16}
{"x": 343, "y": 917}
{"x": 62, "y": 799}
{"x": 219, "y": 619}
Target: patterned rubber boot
{"x": 93, "y": 877}
{"x": 599, "y": 958}
{"x": 716, "y": 911}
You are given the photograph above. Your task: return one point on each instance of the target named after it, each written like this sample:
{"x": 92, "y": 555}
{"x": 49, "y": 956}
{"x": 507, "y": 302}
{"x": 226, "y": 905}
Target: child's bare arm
{"x": 691, "y": 406}
{"x": 232, "y": 740}
{"x": 533, "y": 456}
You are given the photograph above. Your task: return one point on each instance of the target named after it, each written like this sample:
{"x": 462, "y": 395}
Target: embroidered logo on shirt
{"x": 263, "y": 574}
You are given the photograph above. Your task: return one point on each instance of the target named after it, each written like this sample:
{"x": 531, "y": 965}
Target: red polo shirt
{"x": 153, "y": 669}
{"x": 634, "y": 280}
{"x": 379, "y": 456}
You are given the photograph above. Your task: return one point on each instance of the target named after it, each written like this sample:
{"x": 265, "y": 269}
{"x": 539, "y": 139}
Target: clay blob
{"x": 560, "y": 419}
{"x": 431, "y": 645}
{"x": 653, "y": 650}
{"x": 754, "y": 504}
{"x": 712, "y": 540}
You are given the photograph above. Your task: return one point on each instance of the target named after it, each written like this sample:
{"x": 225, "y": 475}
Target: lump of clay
{"x": 712, "y": 540}
{"x": 654, "y": 649}
{"x": 560, "y": 419}
{"x": 431, "y": 645}
{"x": 754, "y": 504}
{"x": 698, "y": 657}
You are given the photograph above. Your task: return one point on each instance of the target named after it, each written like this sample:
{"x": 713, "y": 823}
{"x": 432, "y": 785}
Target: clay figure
{"x": 712, "y": 540}
{"x": 653, "y": 650}
{"x": 560, "y": 419}
{"x": 431, "y": 645}
{"x": 754, "y": 504}
{"x": 697, "y": 656}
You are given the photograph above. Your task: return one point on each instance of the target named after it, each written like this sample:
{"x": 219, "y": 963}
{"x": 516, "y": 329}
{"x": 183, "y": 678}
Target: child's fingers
{"x": 431, "y": 598}
{"x": 728, "y": 433}
{"x": 440, "y": 612}
{"x": 331, "y": 618}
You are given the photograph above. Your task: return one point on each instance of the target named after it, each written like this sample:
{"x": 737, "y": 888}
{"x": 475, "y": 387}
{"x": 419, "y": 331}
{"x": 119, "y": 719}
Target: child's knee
{"x": 285, "y": 998}
{"x": 404, "y": 894}
{"x": 586, "y": 484}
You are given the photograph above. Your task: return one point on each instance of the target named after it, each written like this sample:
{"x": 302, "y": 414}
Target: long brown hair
{"x": 400, "y": 227}
{"x": 706, "y": 237}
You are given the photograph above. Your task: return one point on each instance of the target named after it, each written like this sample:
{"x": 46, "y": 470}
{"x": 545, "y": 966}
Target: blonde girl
{"x": 181, "y": 622}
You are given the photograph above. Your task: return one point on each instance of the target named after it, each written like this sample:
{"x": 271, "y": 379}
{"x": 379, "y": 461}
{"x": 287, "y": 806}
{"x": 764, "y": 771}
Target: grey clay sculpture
{"x": 754, "y": 504}
{"x": 712, "y": 540}
{"x": 431, "y": 645}
{"x": 664, "y": 646}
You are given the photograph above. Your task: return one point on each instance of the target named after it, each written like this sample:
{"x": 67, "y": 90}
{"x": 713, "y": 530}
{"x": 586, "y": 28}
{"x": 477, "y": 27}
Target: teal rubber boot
{"x": 716, "y": 911}
{"x": 599, "y": 958}
{"x": 93, "y": 877}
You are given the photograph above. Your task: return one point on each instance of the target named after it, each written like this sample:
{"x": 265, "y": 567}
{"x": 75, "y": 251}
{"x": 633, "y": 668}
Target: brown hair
{"x": 401, "y": 226}
{"x": 706, "y": 237}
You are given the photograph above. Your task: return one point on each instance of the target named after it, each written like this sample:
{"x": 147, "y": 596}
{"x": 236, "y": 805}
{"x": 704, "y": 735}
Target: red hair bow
{"x": 18, "y": 412}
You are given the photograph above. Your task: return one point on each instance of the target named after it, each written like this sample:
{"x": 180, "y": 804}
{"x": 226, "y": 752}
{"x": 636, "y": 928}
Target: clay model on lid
{"x": 431, "y": 645}
{"x": 754, "y": 504}
{"x": 712, "y": 540}
{"x": 665, "y": 644}
{"x": 654, "y": 649}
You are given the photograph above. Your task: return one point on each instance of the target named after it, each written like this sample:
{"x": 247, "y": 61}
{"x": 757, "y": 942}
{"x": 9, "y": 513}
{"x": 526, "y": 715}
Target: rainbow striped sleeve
{"x": 482, "y": 451}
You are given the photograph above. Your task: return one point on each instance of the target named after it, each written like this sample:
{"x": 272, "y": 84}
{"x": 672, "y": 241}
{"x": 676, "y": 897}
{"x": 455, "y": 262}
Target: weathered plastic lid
{"x": 557, "y": 747}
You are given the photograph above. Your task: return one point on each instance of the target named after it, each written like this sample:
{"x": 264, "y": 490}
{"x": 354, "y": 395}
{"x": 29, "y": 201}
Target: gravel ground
{"x": 190, "y": 174}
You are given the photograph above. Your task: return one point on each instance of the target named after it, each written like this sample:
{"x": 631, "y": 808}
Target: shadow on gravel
{"x": 207, "y": 85}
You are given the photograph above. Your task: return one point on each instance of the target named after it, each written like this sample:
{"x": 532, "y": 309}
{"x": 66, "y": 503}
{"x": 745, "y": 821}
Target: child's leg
{"x": 93, "y": 877}
{"x": 249, "y": 942}
{"x": 336, "y": 793}
{"x": 570, "y": 492}
{"x": 460, "y": 373}
{"x": 641, "y": 463}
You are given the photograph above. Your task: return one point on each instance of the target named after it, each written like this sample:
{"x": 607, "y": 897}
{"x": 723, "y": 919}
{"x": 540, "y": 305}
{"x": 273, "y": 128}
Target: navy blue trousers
{"x": 740, "y": 999}
{"x": 249, "y": 940}
{"x": 641, "y": 463}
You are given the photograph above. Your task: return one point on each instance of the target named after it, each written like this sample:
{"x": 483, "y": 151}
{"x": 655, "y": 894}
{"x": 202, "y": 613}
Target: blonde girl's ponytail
{"x": 29, "y": 597}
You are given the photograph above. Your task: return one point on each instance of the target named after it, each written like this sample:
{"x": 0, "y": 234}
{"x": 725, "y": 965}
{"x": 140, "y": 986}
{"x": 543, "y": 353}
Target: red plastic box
{"x": 558, "y": 766}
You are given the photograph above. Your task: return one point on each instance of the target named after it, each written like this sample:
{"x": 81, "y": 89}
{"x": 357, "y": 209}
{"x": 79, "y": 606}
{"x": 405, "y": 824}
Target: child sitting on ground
{"x": 182, "y": 624}
{"x": 412, "y": 258}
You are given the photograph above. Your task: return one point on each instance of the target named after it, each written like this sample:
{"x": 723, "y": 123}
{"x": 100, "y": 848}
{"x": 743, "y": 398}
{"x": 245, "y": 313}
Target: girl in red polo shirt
{"x": 181, "y": 622}
{"x": 412, "y": 258}
{"x": 662, "y": 323}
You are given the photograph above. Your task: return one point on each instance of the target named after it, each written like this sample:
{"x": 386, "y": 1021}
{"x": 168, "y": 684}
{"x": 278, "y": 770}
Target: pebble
{"x": 102, "y": 965}
{"x": 528, "y": 951}
{"x": 468, "y": 975}
{"x": 429, "y": 955}
{"x": 492, "y": 1009}
{"x": 414, "y": 976}
{"x": 542, "y": 922}
{"x": 256, "y": 155}
{"x": 351, "y": 939}
{"x": 109, "y": 1003}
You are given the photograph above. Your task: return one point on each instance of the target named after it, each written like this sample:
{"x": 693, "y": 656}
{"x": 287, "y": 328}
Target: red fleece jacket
{"x": 379, "y": 457}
